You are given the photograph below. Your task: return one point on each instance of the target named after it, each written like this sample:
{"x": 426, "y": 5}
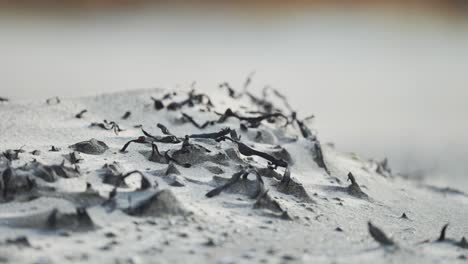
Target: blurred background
{"x": 384, "y": 78}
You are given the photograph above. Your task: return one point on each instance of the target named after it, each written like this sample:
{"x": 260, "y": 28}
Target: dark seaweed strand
{"x": 214, "y": 135}
{"x": 235, "y": 178}
{"x": 126, "y": 115}
{"x": 193, "y": 99}
{"x": 319, "y": 157}
{"x": 231, "y": 92}
{"x": 442, "y": 233}
{"x": 170, "y": 139}
{"x": 164, "y": 129}
{"x": 279, "y": 95}
{"x": 139, "y": 140}
{"x": 195, "y": 123}
{"x": 80, "y": 114}
{"x": 106, "y": 125}
{"x": 254, "y": 121}
{"x": 248, "y": 151}
{"x": 4, "y": 99}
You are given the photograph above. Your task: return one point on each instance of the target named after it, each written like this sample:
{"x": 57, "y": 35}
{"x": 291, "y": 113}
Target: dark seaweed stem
{"x": 4, "y": 99}
{"x": 305, "y": 131}
{"x": 126, "y": 115}
{"x": 81, "y": 113}
{"x": 279, "y": 95}
{"x": 192, "y": 100}
{"x": 319, "y": 157}
{"x": 214, "y": 135}
{"x": 379, "y": 236}
{"x": 145, "y": 183}
{"x": 158, "y": 104}
{"x": 254, "y": 121}
{"x": 139, "y": 140}
{"x": 170, "y": 139}
{"x": 106, "y": 125}
{"x": 248, "y": 151}
{"x": 442, "y": 233}
{"x": 231, "y": 92}
{"x": 195, "y": 123}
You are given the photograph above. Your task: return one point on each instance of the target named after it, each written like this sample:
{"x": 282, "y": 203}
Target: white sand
{"x": 240, "y": 233}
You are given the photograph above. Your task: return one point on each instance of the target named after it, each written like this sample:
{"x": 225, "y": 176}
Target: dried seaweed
{"x": 81, "y": 113}
{"x": 12, "y": 154}
{"x": 169, "y": 138}
{"x": 442, "y": 233}
{"x": 75, "y": 157}
{"x": 12, "y": 185}
{"x": 248, "y": 151}
{"x": 354, "y": 189}
{"x": 50, "y": 173}
{"x": 253, "y": 121}
{"x": 195, "y": 123}
{"x": 379, "y": 236}
{"x": 54, "y": 149}
{"x": 214, "y": 135}
{"x": 290, "y": 186}
{"x": 52, "y": 100}
{"x": 231, "y": 92}
{"x": 158, "y": 104}
{"x": 108, "y": 125}
{"x": 126, "y": 115}
{"x": 265, "y": 201}
{"x": 4, "y": 99}
{"x": 319, "y": 159}
{"x": 443, "y": 238}
{"x": 192, "y": 100}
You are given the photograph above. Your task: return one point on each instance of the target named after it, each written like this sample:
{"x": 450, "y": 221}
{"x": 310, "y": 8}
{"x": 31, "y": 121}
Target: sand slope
{"x": 328, "y": 222}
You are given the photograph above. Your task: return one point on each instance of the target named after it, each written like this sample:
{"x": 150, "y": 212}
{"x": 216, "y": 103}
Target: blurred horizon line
{"x": 443, "y": 7}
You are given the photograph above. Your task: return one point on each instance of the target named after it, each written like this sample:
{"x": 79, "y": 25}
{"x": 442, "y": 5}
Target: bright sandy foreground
{"x": 240, "y": 233}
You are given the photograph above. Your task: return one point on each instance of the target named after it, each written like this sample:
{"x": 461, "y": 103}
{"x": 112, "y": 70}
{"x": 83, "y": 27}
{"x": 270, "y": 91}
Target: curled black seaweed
{"x": 108, "y": 125}
{"x": 170, "y": 139}
{"x": 81, "y": 113}
{"x": 192, "y": 100}
{"x": 214, "y": 135}
{"x": 248, "y": 151}
{"x": 139, "y": 140}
